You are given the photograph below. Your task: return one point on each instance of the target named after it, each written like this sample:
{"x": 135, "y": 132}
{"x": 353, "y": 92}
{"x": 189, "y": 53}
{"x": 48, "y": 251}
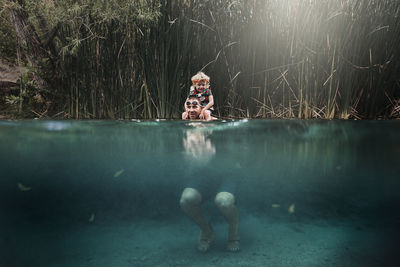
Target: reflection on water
{"x": 197, "y": 144}
{"x": 56, "y": 125}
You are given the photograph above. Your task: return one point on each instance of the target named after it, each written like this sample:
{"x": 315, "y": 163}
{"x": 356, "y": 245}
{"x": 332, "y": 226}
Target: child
{"x": 201, "y": 89}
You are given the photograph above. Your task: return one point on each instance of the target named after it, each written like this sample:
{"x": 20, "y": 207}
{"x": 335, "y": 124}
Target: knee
{"x": 190, "y": 197}
{"x": 224, "y": 200}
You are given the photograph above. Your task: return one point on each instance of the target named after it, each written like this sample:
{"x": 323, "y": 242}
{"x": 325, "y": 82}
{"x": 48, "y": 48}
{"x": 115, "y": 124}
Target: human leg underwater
{"x": 225, "y": 202}
{"x": 190, "y": 202}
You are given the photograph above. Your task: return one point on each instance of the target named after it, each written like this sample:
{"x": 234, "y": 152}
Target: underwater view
{"x": 106, "y": 193}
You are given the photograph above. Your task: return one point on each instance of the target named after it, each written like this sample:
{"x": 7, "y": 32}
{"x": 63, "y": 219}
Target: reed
{"x": 266, "y": 58}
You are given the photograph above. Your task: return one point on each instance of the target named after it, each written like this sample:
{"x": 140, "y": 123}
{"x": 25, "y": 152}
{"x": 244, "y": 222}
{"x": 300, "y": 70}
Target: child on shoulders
{"x": 201, "y": 88}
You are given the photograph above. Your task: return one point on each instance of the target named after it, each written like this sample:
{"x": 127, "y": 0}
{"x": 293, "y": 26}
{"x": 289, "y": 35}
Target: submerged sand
{"x": 265, "y": 241}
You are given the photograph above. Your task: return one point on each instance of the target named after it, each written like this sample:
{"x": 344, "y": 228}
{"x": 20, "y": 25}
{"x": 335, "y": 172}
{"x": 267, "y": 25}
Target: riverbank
{"x": 37, "y": 107}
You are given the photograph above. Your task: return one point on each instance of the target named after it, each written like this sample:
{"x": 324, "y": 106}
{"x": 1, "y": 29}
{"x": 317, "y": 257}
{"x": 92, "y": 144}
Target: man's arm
{"x": 184, "y": 103}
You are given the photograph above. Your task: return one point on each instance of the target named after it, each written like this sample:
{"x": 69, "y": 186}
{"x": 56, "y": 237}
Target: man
{"x": 191, "y": 200}
{"x": 193, "y": 109}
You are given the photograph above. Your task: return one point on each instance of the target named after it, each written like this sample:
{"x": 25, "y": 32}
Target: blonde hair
{"x": 200, "y": 76}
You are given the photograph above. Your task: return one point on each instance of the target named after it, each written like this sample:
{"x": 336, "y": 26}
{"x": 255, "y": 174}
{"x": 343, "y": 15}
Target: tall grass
{"x": 323, "y": 58}
{"x": 266, "y": 59}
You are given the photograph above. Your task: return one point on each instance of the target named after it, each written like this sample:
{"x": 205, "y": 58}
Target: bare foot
{"x": 233, "y": 245}
{"x": 205, "y": 240}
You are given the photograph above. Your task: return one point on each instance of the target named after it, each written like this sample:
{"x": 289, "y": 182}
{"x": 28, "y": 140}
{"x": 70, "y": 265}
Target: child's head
{"x": 201, "y": 81}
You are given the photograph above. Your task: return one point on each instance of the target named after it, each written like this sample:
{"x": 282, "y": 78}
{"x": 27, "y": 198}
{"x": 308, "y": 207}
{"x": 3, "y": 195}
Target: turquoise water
{"x": 106, "y": 193}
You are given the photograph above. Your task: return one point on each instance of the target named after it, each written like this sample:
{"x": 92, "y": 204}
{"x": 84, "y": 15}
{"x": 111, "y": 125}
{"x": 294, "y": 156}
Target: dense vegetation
{"x": 266, "y": 58}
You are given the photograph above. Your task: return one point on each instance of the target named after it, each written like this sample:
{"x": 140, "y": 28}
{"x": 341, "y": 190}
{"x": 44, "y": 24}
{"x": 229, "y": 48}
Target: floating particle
{"x": 23, "y": 187}
{"x": 118, "y": 173}
{"x": 276, "y": 205}
{"x": 291, "y": 209}
{"x": 91, "y": 219}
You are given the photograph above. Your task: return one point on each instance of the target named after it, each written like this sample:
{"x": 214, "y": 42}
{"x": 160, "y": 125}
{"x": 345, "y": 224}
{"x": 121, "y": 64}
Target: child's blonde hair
{"x": 200, "y": 76}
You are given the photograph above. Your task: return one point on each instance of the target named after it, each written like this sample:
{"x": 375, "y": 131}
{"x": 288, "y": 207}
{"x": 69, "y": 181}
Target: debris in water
{"x": 276, "y": 205}
{"x": 91, "y": 219}
{"x": 23, "y": 187}
{"x": 118, "y": 173}
{"x": 291, "y": 209}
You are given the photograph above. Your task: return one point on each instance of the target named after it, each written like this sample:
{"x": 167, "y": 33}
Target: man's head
{"x": 193, "y": 107}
